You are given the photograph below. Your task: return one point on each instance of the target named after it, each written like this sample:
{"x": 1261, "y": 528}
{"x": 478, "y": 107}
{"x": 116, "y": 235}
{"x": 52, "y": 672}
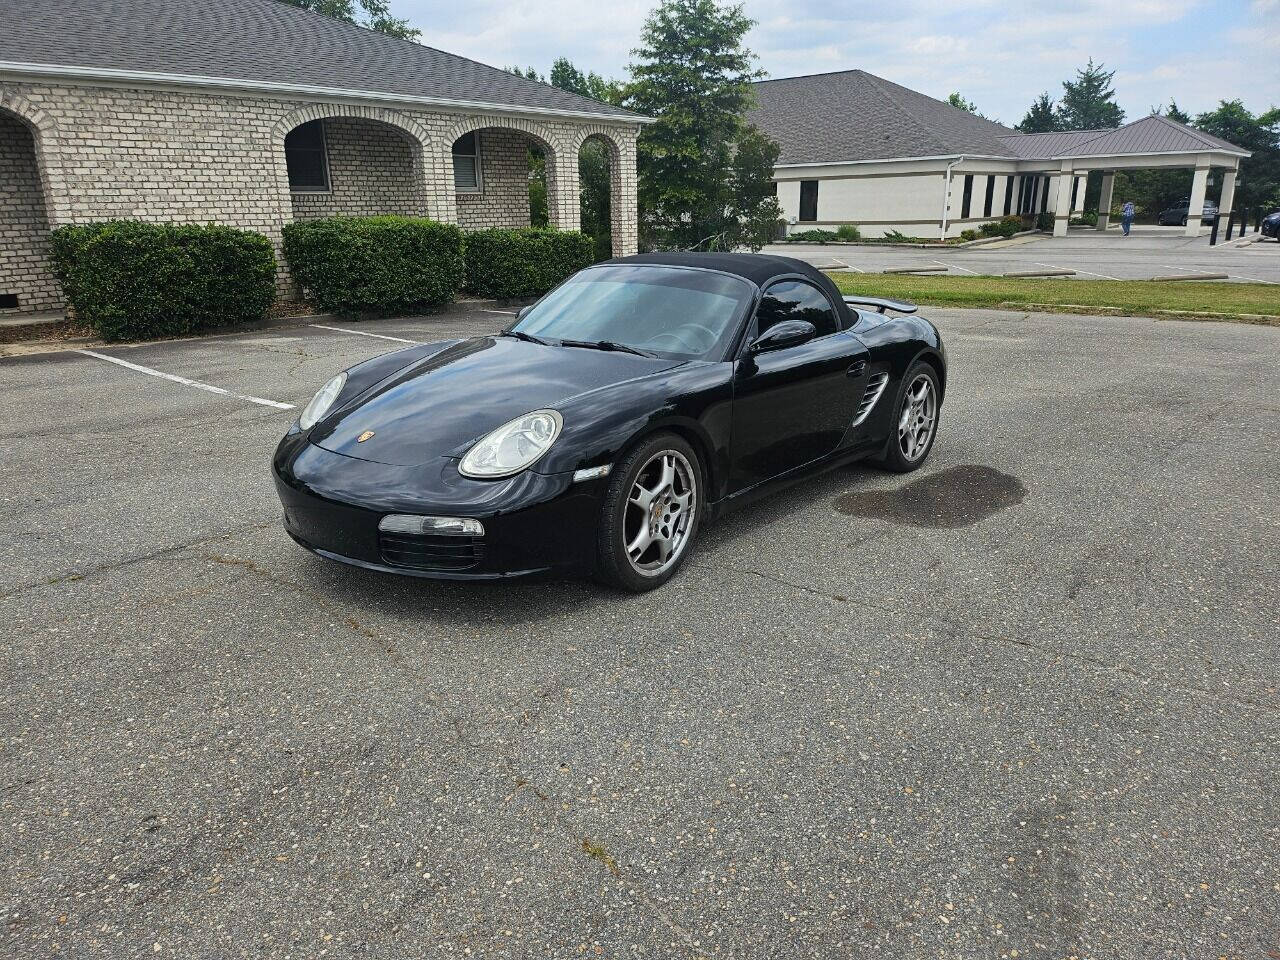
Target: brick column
{"x": 564, "y": 188}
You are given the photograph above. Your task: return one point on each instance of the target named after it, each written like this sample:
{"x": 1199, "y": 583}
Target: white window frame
{"x": 328, "y": 172}
{"x": 479, "y": 187}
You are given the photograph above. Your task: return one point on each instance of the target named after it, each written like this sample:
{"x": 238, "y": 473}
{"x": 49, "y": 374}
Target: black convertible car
{"x": 637, "y": 400}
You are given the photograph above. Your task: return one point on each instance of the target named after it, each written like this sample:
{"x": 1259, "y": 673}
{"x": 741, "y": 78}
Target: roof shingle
{"x": 262, "y": 42}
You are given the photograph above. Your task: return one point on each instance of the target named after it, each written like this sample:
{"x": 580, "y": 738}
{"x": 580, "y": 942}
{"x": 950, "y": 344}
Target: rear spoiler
{"x": 881, "y": 305}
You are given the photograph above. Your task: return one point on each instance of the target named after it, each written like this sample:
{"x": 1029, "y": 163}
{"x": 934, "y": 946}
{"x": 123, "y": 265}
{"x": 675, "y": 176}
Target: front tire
{"x": 915, "y": 422}
{"x": 650, "y": 515}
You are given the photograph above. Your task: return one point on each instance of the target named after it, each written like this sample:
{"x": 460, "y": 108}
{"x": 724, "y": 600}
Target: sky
{"x": 1000, "y": 54}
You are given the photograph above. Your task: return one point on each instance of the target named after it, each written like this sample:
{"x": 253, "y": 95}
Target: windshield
{"x": 667, "y": 311}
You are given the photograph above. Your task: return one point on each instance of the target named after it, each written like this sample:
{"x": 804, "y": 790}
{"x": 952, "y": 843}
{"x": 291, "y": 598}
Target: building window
{"x": 1075, "y": 191}
{"x": 1044, "y": 195}
{"x": 808, "y": 201}
{"x": 466, "y": 163}
{"x": 991, "y": 196}
{"x": 306, "y": 158}
{"x": 1008, "y": 195}
{"x": 968, "y": 196}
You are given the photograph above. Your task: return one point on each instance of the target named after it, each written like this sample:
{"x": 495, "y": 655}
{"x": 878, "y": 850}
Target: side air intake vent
{"x": 875, "y": 387}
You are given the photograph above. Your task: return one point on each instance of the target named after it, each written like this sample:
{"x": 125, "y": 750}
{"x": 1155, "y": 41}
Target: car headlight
{"x": 513, "y": 447}
{"x": 322, "y": 401}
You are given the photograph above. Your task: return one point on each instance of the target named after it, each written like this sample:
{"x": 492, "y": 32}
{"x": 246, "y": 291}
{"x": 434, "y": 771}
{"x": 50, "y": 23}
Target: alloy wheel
{"x": 660, "y": 513}
{"x": 918, "y": 418}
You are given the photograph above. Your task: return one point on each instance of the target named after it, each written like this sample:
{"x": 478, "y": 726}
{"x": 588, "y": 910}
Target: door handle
{"x": 857, "y": 369}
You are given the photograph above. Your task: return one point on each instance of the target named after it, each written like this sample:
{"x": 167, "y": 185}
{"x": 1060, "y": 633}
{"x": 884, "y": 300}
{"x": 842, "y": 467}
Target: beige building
{"x": 858, "y": 149}
{"x": 254, "y": 113}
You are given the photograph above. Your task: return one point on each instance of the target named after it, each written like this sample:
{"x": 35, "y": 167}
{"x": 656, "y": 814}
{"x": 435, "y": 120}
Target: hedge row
{"x": 130, "y": 280}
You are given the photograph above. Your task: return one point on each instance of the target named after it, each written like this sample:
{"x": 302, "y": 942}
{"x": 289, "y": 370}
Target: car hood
{"x": 438, "y": 406}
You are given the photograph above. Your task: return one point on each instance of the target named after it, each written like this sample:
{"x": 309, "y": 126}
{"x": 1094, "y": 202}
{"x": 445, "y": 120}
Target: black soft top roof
{"x": 759, "y": 268}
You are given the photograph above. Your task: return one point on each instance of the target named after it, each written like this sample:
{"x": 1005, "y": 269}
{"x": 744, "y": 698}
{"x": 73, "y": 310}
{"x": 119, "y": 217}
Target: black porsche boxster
{"x": 637, "y": 400}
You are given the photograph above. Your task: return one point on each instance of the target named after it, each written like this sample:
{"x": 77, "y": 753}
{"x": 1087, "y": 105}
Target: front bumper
{"x": 534, "y": 524}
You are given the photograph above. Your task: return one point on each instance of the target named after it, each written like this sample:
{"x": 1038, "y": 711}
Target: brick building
{"x": 254, "y": 113}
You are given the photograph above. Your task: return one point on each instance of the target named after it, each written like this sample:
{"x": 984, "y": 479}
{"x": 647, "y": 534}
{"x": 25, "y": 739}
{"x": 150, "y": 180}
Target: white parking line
{"x": 1076, "y": 269}
{"x": 1254, "y": 280}
{"x": 362, "y": 333}
{"x": 184, "y": 381}
{"x": 505, "y": 313}
{"x": 956, "y": 266}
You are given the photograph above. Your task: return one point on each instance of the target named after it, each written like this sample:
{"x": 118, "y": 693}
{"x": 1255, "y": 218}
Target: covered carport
{"x": 1152, "y": 142}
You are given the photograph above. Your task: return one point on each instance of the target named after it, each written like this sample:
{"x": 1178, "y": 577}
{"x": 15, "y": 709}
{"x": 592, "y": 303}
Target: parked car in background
{"x": 1178, "y": 214}
{"x": 1271, "y": 225}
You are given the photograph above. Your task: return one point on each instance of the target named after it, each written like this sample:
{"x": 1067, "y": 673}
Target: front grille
{"x": 430, "y": 552}
{"x": 875, "y": 387}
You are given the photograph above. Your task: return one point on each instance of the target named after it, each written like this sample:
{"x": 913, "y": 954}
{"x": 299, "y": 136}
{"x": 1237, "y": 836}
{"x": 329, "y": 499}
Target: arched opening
{"x": 349, "y": 166}
{"x": 503, "y": 177}
{"x": 597, "y": 170}
{"x": 27, "y": 281}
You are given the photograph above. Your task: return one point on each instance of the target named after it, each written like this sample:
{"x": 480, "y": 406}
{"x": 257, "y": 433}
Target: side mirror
{"x": 523, "y": 312}
{"x": 788, "y": 333}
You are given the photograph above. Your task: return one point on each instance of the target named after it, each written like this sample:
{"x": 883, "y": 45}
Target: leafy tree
{"x": 1088, "y": 102}
{"x": 529, "y": 73}
{"x": 692, "y": 73}
{"x": 568, "y": 77}
{"x": 1041, "y": 117}
{"x": 376, "y": 15}
{"x": 960, "y": 103}
{"x": 1173, "y": 113}
{"x": 1258, "y": 182}
{"x": 753, "y": 212}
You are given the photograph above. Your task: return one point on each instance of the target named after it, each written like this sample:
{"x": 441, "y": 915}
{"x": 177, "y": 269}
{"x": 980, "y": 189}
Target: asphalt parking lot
{"x": 1148, "y": 252}
{"x": 1023, "y": 703}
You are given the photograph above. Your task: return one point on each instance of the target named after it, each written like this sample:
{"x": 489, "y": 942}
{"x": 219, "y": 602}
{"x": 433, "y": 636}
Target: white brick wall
{"x": 169, "y": 155}
{"x": 25, "y": 268}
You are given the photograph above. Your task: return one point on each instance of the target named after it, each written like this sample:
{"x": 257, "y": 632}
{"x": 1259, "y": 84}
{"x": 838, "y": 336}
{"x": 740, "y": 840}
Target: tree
{"x": 1258, "y": 182}
{"x": 1173, "y": 113}
{"x": 568, "y": 77}
{"x": 1041, "y": 117}
{"x": 377, "y": 15}
{"x": 692, "y": 73}
{"x": 960, "y": 103}
{"x": 529, "y": 73}
{"x": 753, "y": 204}
{"x": 1088, "y": 102}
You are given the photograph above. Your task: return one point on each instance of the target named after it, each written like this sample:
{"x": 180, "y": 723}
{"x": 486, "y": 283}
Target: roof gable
{"x": 1153, "y": 134}
{"x": 264, "y": 43}
{"x": 855, "y": 115}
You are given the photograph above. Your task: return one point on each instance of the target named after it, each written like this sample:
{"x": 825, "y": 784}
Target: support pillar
{"x": 1199, "y": 184}
{"x": 1062, "y": 202}
{"x": 1104, "y": 199}
{"x": 1082, "y": 185}
{"x": 1228, "y": 195}
{"x": 564, "y": 189}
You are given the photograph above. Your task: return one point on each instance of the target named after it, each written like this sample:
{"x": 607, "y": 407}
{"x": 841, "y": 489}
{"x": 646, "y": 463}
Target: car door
{"x": 794, "y": 405}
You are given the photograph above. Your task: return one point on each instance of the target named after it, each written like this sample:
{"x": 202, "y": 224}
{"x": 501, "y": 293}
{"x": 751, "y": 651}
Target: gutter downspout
{"x": 946, "y": 193}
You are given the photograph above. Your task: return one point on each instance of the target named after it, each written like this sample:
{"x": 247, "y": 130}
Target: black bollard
{"x": 1213, "y": 231}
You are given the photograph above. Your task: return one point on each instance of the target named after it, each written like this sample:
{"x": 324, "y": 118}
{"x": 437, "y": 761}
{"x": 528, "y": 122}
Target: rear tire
{"x": 914, "y": 427}
{"x": 650, "y": 515}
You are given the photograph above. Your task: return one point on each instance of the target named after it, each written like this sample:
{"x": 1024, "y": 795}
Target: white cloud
{"x": 999, "y": 54}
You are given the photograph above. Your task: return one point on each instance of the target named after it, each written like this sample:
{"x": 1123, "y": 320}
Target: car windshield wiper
{"x": 607, "y": 345}
{"x": 526, "y": 337}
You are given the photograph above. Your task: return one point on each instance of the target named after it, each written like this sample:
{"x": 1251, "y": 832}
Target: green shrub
{"x": 375, "y": 264}
{"x": 813, "y": 236}
{"x": 511, "y": 264}
{"x": 847, "y": 232}
{"x": 1004, "y": 227}
{"x": 1089, "y": 218}
{"x": 967, "y": 235}
{"x": 1044, "y": 221}
{"x": 130, "y": 280}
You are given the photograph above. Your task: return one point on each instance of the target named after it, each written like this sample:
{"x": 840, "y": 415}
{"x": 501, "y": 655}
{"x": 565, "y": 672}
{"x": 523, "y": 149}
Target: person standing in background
{"x": 1126, "y": 217}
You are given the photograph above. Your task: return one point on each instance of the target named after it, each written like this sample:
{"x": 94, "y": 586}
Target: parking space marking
{"x": 957, "y": 267}
{"x": 363, "y": 333}
{"x": 1254, "y": 280}
{"x": 1076, "y": 269}
{"x": 185, "y": 381}
{"x": 505, "y": 313}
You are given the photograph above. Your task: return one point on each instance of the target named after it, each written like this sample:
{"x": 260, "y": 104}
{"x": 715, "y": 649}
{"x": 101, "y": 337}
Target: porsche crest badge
{"x": 364, "y": 436}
